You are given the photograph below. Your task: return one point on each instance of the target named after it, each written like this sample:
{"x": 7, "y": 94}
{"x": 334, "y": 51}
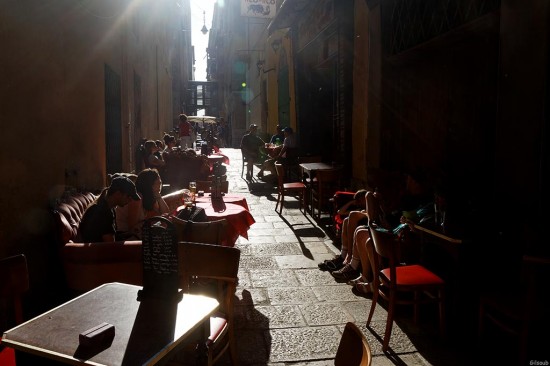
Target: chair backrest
{"x": 280, "y": 169}
{"x": 354, "y": 349}
{"x": 204, "y": 261}
{"x": 14, "y": 282}
{"x": 385, "y": 245}
{"x": 211, "y": 232}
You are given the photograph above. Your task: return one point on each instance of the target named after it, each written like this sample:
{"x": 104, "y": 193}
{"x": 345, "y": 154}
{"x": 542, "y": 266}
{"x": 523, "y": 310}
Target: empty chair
{"x": 328, "y": 182}
{"x": 212, "y": 270}
{"x": 422, "y": 284}
{"x": 354, "y": 349}
{"x": 14, "y": 282}
{"x": 517, "y": 310}
{"x": 288, "y": 189}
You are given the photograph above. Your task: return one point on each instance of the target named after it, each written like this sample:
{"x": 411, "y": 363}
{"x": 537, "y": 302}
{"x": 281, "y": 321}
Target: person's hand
{"x": 404, "y": 220}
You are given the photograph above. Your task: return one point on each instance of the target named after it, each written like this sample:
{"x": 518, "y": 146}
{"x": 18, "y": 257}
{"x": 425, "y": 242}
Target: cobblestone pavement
{"x": 289, "y": 312}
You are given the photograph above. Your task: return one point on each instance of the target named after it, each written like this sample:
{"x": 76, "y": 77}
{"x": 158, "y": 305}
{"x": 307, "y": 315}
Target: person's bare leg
{"x": 344, "y": 238}
{"x": 362, "y": 235}
{"x": 353, "y": 221}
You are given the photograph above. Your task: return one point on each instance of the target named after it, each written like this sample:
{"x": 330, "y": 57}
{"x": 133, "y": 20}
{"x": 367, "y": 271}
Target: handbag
{"x": 194, "y": 213}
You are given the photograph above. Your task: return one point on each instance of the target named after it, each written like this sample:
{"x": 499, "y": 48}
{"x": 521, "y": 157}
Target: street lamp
{"x": 204, "y": 30}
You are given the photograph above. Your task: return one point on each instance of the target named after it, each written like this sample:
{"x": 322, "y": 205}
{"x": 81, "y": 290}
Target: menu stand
{"x": 160, "y": 261}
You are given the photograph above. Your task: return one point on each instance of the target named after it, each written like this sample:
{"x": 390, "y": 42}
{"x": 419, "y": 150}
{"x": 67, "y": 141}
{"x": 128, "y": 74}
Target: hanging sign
{"x": 258, "y": 8}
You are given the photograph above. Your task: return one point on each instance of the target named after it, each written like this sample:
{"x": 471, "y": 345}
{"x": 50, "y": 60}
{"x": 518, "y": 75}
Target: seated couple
{"x": 354, "y": 264}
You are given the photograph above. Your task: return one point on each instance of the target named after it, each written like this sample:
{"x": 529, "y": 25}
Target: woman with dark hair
{"x": 130, "y": 217}
{"x": 151, "y": 159}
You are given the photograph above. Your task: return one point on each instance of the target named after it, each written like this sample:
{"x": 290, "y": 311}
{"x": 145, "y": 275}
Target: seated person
{"x": 279, "y": 137}
{"x": 285, "y": 155}
{"x": 130, "y": 218}
{"x": 152, "y": 160}
{"x": 98, "y": 222}
{"x": 250, "y": 147}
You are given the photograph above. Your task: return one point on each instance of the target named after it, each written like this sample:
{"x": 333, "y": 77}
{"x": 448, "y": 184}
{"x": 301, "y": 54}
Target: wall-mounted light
{"x": 276, "y": 44}
{"x": 260, "y": 65}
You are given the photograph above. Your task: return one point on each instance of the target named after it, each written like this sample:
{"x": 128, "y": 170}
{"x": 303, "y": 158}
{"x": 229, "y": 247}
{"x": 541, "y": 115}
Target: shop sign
{"x": 258, "y": 8}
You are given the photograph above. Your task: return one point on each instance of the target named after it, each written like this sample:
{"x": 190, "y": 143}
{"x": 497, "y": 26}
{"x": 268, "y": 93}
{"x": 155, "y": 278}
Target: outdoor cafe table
{"x": 238, "y": 218}
{"x": 146, "y": 332}
{"x": 236, "y": 199}
{"x": 310, "y": 169}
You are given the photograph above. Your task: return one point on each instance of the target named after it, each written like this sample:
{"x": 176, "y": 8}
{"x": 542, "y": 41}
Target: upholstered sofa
{"x": 88, "y": 265}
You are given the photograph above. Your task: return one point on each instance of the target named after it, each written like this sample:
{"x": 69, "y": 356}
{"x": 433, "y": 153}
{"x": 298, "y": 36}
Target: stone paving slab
{"x": 298, "y": 344}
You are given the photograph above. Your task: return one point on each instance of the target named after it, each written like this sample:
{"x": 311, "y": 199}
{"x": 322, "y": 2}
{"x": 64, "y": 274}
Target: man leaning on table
{"x": 98, "y": 222}
{"x": 285, "y": 154}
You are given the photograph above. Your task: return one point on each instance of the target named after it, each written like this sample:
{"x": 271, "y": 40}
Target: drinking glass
{"x": 193, "y": 187}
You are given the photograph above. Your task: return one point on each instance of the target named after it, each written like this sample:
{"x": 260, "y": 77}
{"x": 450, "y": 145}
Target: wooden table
{"x": 310, "y": 169}
{"x": 146, "y": 332}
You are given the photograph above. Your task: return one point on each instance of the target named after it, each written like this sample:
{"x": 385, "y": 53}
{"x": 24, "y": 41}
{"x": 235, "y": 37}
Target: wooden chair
{"x": 354, "y": 349}
{"x": 211, "y": 232}
{"x": 206, "y": 186}
{"x": 328, "y": 182}
{"x": 293, "y": 189}
{"x": 516, "y": 311}
{"x": 390, "y": 282}
{"x": 218, "y": 266}
{"x": 14, "y": 282}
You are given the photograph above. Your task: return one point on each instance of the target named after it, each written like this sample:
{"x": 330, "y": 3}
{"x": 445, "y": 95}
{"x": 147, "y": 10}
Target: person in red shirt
{"x": 185, "y": 132}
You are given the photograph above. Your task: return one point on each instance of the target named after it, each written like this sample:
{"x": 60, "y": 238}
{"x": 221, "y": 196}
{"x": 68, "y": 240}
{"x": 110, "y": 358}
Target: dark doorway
{"x": 113, "y": 121}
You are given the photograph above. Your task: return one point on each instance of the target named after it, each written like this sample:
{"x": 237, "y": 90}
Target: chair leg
{"x": 442, "y": 325}
{"x": 278, "y": 202}
{"x": 373, "y": 304}
{"x": 389, "y": 322}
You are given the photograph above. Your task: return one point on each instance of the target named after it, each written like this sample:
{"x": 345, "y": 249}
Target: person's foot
{"x": 332, "y": 264}
{"x": 346, "y": 273}
{"x": 356, "y": 280}
{"x": 362, "y": 289}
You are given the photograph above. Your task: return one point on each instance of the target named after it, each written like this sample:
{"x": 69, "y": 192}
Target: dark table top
{"x": 145, "y": 331}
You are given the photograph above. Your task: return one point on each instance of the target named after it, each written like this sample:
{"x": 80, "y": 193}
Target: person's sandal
{"x": 356, "y": 281}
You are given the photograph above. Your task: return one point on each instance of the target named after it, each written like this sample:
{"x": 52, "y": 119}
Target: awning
{"x": 201, "y": 120}
{"x": 287, "y": 14}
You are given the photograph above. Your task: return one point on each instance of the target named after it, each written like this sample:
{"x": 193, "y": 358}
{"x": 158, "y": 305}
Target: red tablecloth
{"x": 238, "y": 218}
{"x": 227, "y": 198}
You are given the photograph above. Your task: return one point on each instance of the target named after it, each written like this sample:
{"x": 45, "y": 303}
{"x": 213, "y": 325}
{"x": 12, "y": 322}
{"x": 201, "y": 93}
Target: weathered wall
{"x": 52, "y": 114}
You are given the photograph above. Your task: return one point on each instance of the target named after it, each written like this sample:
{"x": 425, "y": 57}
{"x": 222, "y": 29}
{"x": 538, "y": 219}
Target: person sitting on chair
{"x": 250, "y": 147}
{"x": 98, "y": 222}
{"x": 285, "y": 156}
